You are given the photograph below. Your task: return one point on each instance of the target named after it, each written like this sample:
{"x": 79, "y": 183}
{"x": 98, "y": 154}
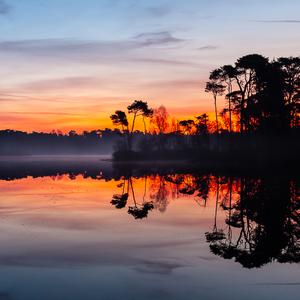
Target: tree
{"x": 270, "y": 110}
{"x": 217, "y": 89}
{"x": 226, "y": 121}
{"x": 226, "y": 74}
{"x": 264, "y": 95}
{"x": 119, "y": 118}
{"x": 290, "y": 67}
{"x": 139, "y": 108}
{"x": 187, "y": 126}
{"x": 160, "y": 120}
{"x": 202, "y": 124}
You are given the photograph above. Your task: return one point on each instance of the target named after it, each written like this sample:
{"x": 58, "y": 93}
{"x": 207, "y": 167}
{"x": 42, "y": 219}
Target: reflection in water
{"x": 138, "y": 210}
{"x": 74, "y": 226}
{"x": 262, "y": 221}
{"x": 266, "y": 219}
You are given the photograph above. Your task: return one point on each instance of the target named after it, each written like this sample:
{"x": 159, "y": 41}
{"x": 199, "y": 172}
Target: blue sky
{"x": 85, "y": 56}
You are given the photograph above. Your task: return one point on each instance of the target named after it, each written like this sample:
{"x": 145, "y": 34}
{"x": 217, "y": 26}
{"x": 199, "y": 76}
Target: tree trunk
{"x": 230, "y": 119}
{"x": 145, "y": 128}
{"x": 131, "y": 133}
{"x": 216, "y": 112}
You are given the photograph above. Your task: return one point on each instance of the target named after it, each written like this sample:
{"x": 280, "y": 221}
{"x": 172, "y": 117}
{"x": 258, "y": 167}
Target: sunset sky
{"x": 69, "y": 64}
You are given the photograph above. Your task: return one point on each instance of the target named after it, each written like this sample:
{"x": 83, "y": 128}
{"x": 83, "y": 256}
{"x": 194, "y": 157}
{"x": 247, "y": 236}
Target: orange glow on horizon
{"x": 45, "y": 113}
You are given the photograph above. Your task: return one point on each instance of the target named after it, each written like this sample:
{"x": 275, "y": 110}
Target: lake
{"x": 87, "y": 229}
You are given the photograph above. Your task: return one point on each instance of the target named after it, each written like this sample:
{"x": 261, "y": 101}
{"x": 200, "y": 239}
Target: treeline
{"x": 260, "y": 118}
{"x": 262, "y": 95}
{"x": 40, "y": 143}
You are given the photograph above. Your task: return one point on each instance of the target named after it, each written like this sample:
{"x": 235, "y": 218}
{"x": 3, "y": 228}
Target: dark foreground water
{"x": 84, "y": 229}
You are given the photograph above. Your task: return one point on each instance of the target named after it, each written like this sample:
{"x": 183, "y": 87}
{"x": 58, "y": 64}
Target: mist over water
{"x": 86, "y": 228}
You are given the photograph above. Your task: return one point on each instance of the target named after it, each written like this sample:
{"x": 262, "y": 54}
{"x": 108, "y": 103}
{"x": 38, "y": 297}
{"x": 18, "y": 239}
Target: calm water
{"x": 73, "y": 230}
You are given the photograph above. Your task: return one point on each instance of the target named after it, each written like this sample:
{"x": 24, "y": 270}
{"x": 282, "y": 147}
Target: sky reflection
{"x": 66, "y": 236}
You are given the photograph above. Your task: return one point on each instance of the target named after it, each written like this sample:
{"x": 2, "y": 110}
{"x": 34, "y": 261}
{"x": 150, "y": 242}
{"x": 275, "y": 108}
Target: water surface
{"x": 89, "y": 231}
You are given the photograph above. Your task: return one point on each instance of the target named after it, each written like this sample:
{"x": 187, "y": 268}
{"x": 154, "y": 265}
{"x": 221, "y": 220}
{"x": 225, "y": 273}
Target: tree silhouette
{"x": 228, "y": 73}
{"x": 119, "y": 118}
{"x": 290, "y": 67}
{"x": 187, "y": 126}
{"x": 263, "y": 94}
{"x": 202, "y": 124}
{"x": 217, "y": 89}
{"x": 139, "y": 108}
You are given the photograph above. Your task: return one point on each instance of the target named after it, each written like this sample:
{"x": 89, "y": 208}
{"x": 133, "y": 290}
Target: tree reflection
{"x": 162, "y": 187}
{"x": 137, "y": 210}
{"x": 216, "y": 235}
{"x": 256, "y": 220}
{"x": 266, "y": 221}
{"x": 120, "y": 200}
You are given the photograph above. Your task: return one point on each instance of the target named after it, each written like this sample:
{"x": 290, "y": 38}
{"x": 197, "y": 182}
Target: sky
{"x": 68, "y": 64}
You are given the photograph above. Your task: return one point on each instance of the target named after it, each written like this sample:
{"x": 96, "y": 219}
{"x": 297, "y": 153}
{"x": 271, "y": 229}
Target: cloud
{"x": 144, "y": 48}
{"x": 207, "y": 47}
{"x": 278, "y": 21}
{"x": 87, "y": 49}
{"x": 157, "y": 38}
{"x": 182, "y": 83}
{"x": 64, "y": 83}
{"x": 62, "y": 46}
{"x": 170, "y": 62}
{"x": 4, "y": 7}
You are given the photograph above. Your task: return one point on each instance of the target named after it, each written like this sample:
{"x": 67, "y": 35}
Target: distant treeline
{"x": 39, "y": 143}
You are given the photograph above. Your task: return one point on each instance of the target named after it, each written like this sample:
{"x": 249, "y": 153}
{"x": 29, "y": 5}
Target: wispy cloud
{"x": 140, "y": 48}
{"x": 88, "y": 47}
{"x": 182, "y": 83}
{"x": 207, "y": 47}
{"x": 163, "y": 61}
{"x": 156, "y": 38}
{"x": 4, "y": 7}
{"x": 278, "y": 21}
{"x": 63, "y": 83}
